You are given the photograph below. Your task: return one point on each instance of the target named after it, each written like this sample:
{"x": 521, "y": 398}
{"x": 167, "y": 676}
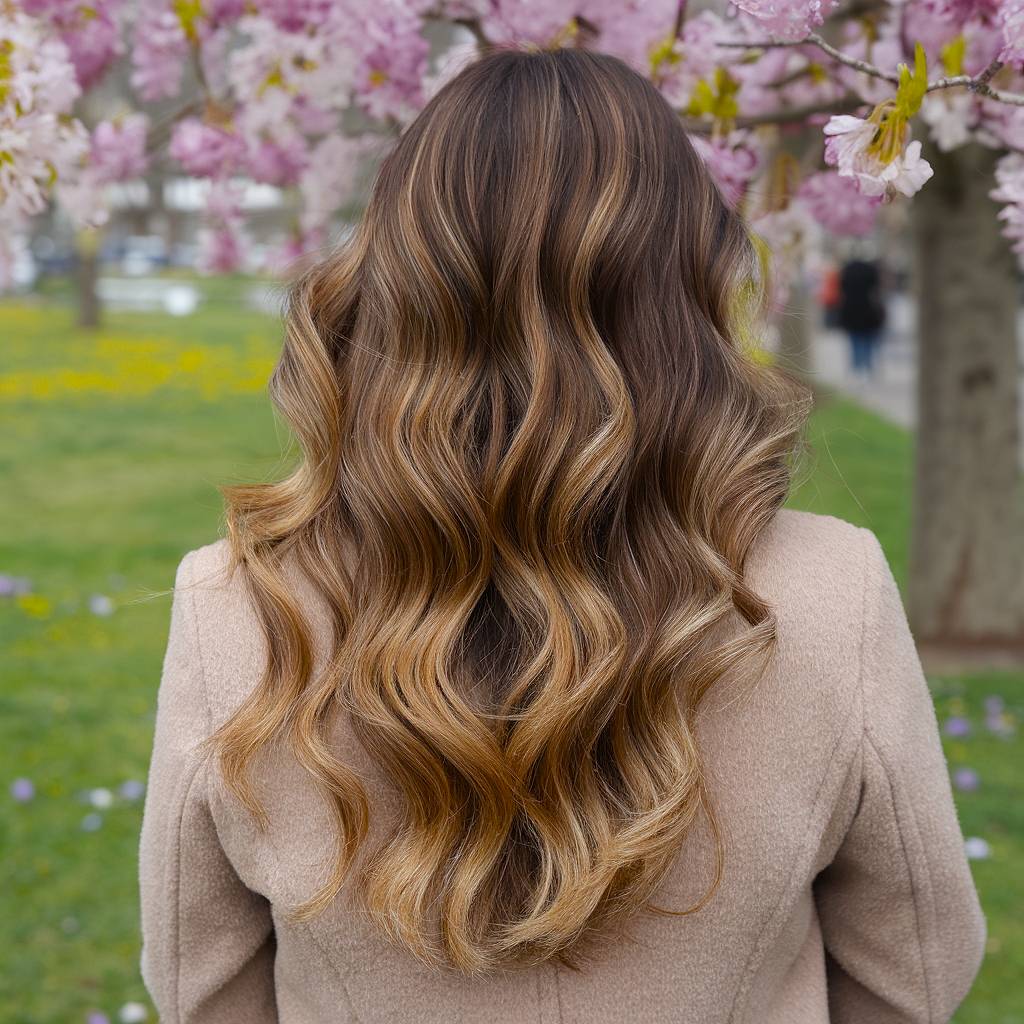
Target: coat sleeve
{"x": 903, "y": 929}
{"x": 207, "y": 940}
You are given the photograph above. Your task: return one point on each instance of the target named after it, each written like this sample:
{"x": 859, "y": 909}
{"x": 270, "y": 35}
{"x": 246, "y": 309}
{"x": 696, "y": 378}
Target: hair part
{"x": 536, "y": 453}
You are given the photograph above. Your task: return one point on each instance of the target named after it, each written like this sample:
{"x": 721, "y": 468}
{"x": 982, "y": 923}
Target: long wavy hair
{"x": 536, "y": 452}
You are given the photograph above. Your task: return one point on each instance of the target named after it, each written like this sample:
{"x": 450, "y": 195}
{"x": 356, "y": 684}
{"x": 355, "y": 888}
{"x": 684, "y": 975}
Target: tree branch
{"x": 978, "y": 84}
{"x": 989, "y": 73}
{"x": 815, "y": 40}
{"x": 786, "y": 115}
{"x": 677, "y": 27}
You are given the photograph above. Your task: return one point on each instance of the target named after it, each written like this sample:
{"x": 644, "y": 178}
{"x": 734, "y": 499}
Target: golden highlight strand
{"x": 535, "y": 457}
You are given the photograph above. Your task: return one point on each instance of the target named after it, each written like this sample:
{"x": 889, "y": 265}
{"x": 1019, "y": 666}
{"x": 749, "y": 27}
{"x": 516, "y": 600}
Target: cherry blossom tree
{"x": 916, "y": 98}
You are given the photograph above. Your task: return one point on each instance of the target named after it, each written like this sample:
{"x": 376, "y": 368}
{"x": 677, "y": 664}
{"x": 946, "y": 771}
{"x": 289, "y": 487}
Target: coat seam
{"x": 308, "y": 927}
{"x": 915, "y": 896}
{"x": 179, "y": 830}
{"x": 207, "y": 708}
{"x": 756, "y": 954}
{"x": 190, "y": 612}
{"x": 868, "y": 738}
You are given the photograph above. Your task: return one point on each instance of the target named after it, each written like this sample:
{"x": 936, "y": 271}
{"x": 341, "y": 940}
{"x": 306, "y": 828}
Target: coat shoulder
{"x": 816, "y": 572}
{"x": 818, "y": 546}
{"x": 228, "y": 632}
{"x": 211, "y": 565}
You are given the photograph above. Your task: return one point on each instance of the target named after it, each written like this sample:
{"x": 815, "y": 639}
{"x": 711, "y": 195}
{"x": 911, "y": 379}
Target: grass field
{"x": 111, "y": 447}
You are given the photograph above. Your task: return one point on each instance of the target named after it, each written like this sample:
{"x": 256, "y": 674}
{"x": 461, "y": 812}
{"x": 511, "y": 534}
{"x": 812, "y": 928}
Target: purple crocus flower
{"x": 23, "y": 790}
{"x": 958, "y": 727}
{"x": 966, "y": 779}
{"x": 13, "y": 586}
{"x": 131, "y": 789}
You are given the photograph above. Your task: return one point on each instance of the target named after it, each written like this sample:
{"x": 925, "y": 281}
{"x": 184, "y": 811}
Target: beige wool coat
{"x": 846, "y": 895}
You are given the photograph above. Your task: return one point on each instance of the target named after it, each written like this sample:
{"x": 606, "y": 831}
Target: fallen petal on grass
{"x": 100, "y": 604}
{"x": 976, "y": 848}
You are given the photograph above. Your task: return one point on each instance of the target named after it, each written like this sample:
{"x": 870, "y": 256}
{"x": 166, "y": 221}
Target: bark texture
{"x": 89, "y": 307}
{"x": 967, "y": 551}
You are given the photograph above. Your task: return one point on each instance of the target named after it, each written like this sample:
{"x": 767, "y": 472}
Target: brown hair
{"x": 536, "y": 454}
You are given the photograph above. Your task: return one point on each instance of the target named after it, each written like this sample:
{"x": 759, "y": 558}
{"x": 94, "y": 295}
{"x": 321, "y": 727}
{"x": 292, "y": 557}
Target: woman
{"x": 520, "y": 699}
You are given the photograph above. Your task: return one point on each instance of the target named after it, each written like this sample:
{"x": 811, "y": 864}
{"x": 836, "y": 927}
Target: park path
{"x": 892, "y": 391}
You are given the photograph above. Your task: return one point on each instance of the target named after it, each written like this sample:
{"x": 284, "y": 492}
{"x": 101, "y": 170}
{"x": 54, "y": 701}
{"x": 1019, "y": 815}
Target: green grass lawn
{"x": 111, "y": 447}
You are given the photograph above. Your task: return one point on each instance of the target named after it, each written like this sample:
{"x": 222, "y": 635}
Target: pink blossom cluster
{"x": 694, "y": 56}
{"x": 733, "y": 161}
{"x": 1011, "y": 22}
{"x": 1009, "y": 191}
{"x": 90, "y": 31}
{"x": 788, "y": 19}
{"x": 118, "y": 149}
{"x": 296, "y": 93}
{"x": 159, "y": 51}
{"x": 631, "y": 29}
{"x": 848, "y": 148}
{"x": 117, "y": 152}
{"x": 39, "y": 140}
{"x": 222, "y": 239}
{"x": 837, "y": 204}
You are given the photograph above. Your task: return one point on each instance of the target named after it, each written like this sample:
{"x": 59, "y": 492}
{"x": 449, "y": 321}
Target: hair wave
{"x": 536, "y": 452}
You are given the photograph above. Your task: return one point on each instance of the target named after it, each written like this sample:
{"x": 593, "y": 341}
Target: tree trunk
{"x": 967, "y": 551}
{"x": 88, "y": 246}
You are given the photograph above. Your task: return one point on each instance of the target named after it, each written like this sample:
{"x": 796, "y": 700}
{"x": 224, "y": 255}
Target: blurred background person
{"x": 862, "y": 313}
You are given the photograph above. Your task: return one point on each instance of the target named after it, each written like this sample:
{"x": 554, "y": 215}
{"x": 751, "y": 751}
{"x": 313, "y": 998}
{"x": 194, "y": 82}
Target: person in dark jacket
{"x": 862, "y": 312}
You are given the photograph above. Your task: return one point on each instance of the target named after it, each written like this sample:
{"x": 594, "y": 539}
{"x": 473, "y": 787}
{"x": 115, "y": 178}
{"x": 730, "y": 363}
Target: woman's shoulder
{"x": 811, "y": 540}
{"x": 213, "y": 584}
{"x": 218, "y": 580}
{"x": 227, "y": 622}
{"x": 818, "y": 573}
{"x": 226, "y": 625}
{"x": 211, "y": 564}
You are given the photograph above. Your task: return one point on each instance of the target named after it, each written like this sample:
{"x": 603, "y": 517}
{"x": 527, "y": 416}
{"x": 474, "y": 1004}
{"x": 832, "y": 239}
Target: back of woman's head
{"x": 536, "y": 454}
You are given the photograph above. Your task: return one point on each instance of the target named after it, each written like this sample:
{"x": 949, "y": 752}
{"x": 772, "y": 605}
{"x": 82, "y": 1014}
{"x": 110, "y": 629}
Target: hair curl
{"x": 536, "y": 452}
